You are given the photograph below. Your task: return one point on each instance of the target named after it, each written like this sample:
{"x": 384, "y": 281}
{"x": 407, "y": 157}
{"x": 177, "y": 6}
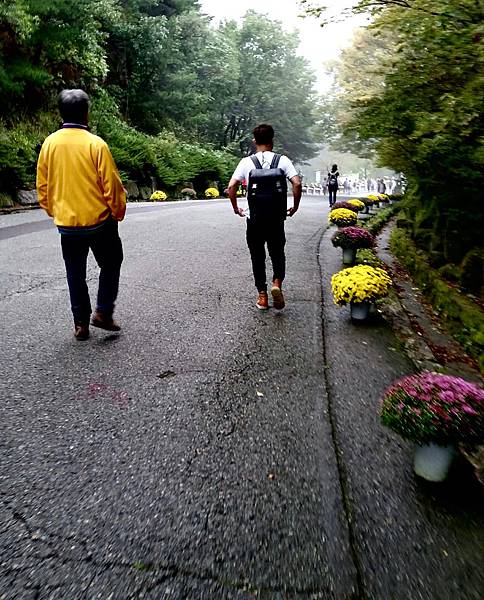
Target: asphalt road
{"x": 210, "y": 451}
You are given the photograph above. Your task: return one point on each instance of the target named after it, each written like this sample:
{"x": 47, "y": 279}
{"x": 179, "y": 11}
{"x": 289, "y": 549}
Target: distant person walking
{"x": 266, "y": 174}
{"x": 333, "y": 184}
{"x": 79, "y": 186}
{"x": 381, "y": 188}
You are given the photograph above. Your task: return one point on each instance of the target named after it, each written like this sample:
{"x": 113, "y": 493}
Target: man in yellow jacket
{"x": 79, "y": 186}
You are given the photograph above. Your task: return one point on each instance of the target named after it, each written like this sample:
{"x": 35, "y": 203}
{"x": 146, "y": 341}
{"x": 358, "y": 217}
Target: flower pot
{"x": 349, "y": 256}
{"x": 432, "y": 462}
{"x": 360, "y": 310}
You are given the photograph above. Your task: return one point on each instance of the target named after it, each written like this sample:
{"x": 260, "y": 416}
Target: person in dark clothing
{"x": 267, "y": 229}
{"x": 333, "y": 184}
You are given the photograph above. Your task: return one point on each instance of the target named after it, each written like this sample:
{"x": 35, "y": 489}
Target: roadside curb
{"x": 425, "y": 340}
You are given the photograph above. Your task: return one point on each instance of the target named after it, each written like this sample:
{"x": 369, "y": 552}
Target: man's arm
{"x": 233, "y": 187}
{"x": 296, "y": 191}
{"x": 41, "y": 183}
{"x": 112, "y": 186}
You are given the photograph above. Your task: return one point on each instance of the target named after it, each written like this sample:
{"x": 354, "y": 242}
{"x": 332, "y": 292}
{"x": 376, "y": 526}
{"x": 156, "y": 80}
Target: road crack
{"x": 342, "y": 472}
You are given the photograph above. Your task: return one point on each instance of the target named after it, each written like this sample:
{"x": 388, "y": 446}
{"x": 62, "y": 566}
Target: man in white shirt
{"x": 269, "y": 228}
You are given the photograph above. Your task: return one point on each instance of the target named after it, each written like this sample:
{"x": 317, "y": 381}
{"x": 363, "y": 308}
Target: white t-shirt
{"x": 265, "y": 158}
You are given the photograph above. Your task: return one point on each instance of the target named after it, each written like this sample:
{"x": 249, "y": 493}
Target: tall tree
{"x": 411, "y": 88}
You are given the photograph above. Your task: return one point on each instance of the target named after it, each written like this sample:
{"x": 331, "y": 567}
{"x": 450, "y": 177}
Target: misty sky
{"x": 317, "y": 45}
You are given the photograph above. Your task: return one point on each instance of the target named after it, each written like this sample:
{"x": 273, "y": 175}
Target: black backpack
{"x": 267, "y": 191}
{"x": 332, "y": 179}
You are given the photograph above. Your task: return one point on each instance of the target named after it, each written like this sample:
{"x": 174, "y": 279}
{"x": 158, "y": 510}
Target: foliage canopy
{"x": 159, "y": 73}
{"x": 410, "y": 90}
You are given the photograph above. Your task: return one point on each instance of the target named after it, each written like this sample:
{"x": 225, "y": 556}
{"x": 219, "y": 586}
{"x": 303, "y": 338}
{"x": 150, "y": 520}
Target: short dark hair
{"x": 263, "y": 134}
{"x": 334, "y": 168}
{"x": 73, "y": 106}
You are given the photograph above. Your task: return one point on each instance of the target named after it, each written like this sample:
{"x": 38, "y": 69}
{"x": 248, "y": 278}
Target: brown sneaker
{"x": 104, "y": 322}
{"x": 262, "y": 301}
{"x": 277, "y": 296}
{"x": 81, "y": 332}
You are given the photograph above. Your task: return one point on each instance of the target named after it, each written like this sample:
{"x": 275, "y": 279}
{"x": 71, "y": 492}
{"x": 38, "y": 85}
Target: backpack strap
{"x": 256, "y": 162}
{"x": 275, "y": 161}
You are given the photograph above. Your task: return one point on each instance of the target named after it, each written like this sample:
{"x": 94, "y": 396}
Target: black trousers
{"x": 260, "y": 233}
{"x": 332, "y": 194}
{"x": 108, "y": 252}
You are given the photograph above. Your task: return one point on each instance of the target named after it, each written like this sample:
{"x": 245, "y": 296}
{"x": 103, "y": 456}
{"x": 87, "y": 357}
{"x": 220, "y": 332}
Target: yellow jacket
{"x": 77, "y": 180}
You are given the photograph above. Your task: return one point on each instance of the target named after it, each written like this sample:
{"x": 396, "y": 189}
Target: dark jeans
{"x": 260, "y": 233}
{"x": 332, "y": 194}
{"x": 108, "y": 252}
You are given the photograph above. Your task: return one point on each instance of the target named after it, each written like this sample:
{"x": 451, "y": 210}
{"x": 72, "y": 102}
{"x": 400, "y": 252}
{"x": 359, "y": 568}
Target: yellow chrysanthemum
{"x": 342, "y": 217}
{"x": 360, "y": 284}
{"x": 212, "y": 193}
{"x": 357, "y": 204}
{"x": 158, "y": 196}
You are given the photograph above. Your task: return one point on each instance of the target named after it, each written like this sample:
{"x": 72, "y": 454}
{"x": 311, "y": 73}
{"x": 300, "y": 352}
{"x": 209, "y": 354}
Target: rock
{"x": 27, "y": 197}
{"x": 145, "y": 192}
{"x": 132, "y": 190}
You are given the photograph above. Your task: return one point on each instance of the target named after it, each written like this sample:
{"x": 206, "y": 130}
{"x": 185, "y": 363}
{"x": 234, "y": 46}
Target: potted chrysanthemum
{"x": 350, "y": 239}
{"x": 212, "y": 192}
{"x": 368, "y": 202}
{"x": 358, "y": 204}
{"x": 436, "y": 412}
{"x": 343, "y": 217}
{"x": 360, "y": 287}
{"x": 375, "y": 201}
{"x": 158, "y": 196}
{"x": 344, "y": 204}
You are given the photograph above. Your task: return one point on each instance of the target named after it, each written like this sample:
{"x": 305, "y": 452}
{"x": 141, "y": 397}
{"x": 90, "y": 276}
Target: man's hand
{"x": 291, "y": 211}
{"x": 239, "y": 211}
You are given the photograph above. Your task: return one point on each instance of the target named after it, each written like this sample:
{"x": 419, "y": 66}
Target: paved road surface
{"x": 210, "y": 450}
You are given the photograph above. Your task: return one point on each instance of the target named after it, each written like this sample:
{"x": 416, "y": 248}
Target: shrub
{"x": 431, "y": 407}
{"x": 19, "y": 147}
{"x": 360, "y": 284}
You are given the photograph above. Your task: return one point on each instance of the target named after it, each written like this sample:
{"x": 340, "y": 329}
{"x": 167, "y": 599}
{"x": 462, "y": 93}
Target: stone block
{"x": 132, "y": 190}
{"x": 27, "y": 197}
{"x": 145, "y": 192}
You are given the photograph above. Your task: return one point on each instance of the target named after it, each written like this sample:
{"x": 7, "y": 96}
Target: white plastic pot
{"x": 360, "y": 310}
{"x": 349, "y": 256}
{"x": 432, "y": 462}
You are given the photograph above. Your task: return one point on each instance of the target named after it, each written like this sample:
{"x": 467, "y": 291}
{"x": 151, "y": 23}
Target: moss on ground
{"x": 376, "y": 223}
